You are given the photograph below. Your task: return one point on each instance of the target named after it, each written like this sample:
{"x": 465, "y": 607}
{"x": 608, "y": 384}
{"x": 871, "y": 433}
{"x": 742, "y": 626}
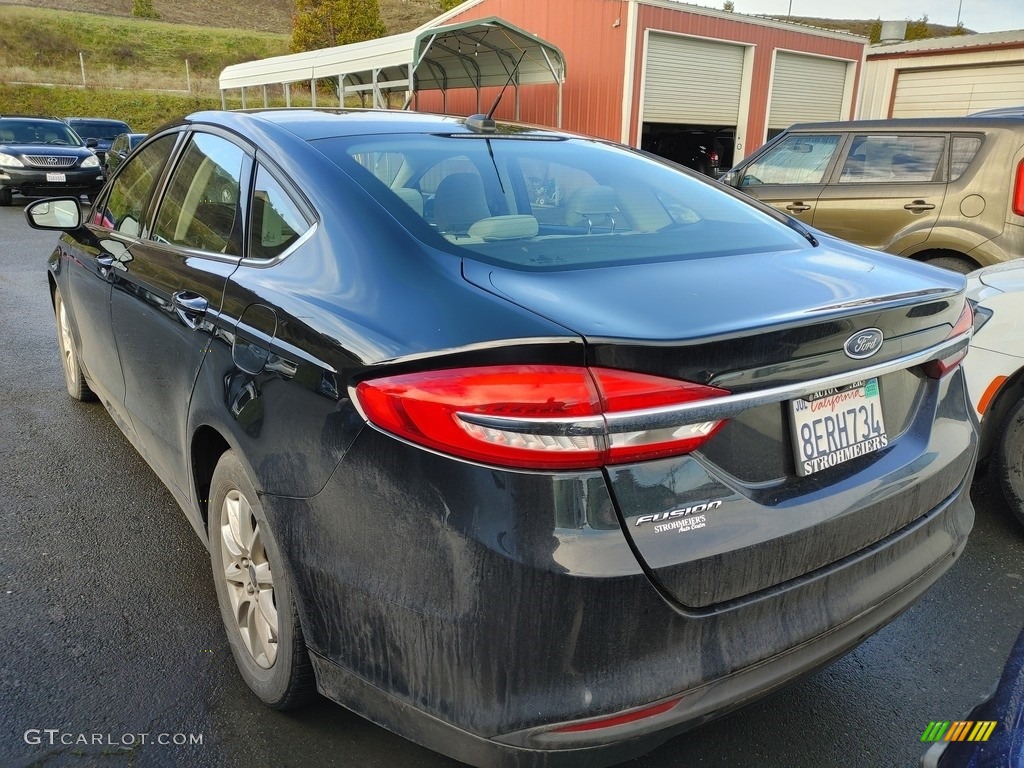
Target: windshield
{"x": 37, "y": 132}
{"x": 94, "y": 129}
{"x": 552, "y": 203}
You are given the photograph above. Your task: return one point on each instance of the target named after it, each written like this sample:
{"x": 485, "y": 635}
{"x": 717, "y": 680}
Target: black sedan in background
{"x": 101, "y": 130}
{"x": 529, "y": 479}
{"x": 41, "y": 156}
{"x": 119, "y": 150}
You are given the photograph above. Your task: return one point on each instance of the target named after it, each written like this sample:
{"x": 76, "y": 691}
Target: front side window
{"x": 201, "y": 208}
{"x": 893, "y": 158}
{"x": 131, "y": 190}
{"x": 796, "y": 159}
{"x": 552, "y": 203}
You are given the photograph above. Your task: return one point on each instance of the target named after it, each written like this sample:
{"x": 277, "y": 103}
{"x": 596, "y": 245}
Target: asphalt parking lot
{"x": 115, "y": 655}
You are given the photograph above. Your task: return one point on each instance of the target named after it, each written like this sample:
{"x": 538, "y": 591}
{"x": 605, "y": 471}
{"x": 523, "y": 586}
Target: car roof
{"x": 905, "y": 123}
{"x": 32, "y": 117}
{"x": 97, "y": 120}
{"x": 310, "y": 124}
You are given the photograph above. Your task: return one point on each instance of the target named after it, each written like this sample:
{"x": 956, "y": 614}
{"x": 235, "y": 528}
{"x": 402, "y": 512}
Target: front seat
{"x": 592, "y": 206}
{"x": 459, "y": 202}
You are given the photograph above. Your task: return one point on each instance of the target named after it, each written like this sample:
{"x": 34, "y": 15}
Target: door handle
{"x": 104, "y": 262}
{"x": 919, "y": 206}
{"x": 190, "y": 307}
{"x": 797, "y": 207}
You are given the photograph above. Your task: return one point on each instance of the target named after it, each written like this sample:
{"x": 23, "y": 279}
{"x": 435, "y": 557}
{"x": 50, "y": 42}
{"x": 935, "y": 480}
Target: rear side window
{"x": 796, "y": 159}
{"x": 277, "y": 222}
{"x": 963, "y": 150}
{"x": 131, "y": 189}
{"x": 893, "y": 158}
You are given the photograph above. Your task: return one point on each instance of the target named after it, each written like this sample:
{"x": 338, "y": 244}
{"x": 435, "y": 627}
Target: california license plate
{"x": 836, "y": 425}
{"x": 56, "y": 177}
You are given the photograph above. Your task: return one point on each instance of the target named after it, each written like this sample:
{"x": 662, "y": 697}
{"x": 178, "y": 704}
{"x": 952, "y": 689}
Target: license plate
{"x": 837, "y": 425}
{"x": 56, "y": 177}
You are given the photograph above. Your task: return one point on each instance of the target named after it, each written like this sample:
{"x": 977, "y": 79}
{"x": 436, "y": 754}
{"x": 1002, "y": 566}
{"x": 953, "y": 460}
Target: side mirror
{"x": 92, "y": 143}
{"x": 60, "y": 213}
{"x": 729, "y": 178}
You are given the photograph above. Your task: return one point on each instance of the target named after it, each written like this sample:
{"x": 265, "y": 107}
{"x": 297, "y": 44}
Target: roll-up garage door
{"x": 693, "y": 81}
{"x": 806, "y": 89}
{"x": 957, "y": 91}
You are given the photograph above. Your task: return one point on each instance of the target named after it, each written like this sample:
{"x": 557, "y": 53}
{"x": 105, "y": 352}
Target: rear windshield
{"x": 93, "y": 129}
{"x": 552, "y": 203}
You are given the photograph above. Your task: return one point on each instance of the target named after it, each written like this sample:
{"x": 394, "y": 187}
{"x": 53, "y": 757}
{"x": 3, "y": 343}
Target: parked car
{"x": 696, "y": 151}
{"x": 122, "y": 145}
{"x": 945, "y": 190}
{"x": 103, "y": 130}
{"x": 521, "y": 477}
{"x": 41, "y": 156}
{"x": 995, "y": 375}
{"x": 990, "y": 735}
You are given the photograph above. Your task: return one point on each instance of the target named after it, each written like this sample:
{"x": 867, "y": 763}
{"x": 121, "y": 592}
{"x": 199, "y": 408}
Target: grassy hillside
{"x": 264, "y": 16}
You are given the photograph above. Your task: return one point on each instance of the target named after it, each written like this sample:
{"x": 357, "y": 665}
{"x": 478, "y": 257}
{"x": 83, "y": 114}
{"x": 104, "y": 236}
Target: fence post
{"x": 188, "y": 78}
{"x": 81, "y": 63}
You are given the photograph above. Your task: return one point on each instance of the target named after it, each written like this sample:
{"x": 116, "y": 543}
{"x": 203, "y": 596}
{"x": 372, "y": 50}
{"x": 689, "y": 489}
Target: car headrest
{"x": 504, "y": 228}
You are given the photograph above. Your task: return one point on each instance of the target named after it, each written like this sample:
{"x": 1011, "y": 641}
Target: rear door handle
{"x": 919, "y": 206}
{"x": 797, "y": 207}
{"x": 190, "y": 307}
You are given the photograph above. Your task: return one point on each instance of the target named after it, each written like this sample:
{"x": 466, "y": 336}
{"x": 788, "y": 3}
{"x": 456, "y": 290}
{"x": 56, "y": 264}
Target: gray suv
{"x": 949, "y": 191}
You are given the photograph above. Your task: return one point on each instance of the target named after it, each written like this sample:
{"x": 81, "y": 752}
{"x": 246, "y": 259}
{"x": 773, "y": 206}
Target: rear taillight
{"x": 713, "y": 158}
{"x": 1018, "y": 190}
{"x": 538, "y": 416}
{"x": 939, "y": 368}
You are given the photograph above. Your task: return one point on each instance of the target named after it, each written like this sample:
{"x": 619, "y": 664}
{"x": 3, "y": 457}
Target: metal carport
{"x": 473, "y": 54}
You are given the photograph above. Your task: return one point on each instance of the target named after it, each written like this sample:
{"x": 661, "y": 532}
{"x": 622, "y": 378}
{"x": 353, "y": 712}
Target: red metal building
{"x": 640, "y": 70}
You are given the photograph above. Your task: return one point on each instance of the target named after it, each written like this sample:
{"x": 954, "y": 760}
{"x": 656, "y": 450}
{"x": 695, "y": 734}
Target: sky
{"x": 978, "y": 15}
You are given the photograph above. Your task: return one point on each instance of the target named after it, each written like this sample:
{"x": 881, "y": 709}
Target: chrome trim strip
{"x": 701, "y": 411}
{"x": 730, "y": 405}
{"x": 562, "y": 426}
{"x": 478, "y": 346}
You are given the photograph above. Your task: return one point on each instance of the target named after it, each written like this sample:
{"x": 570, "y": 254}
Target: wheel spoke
{"x": 268, "y": 610}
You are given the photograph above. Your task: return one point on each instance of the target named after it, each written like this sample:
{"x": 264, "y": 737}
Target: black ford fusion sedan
{"x": 530, "y": 478}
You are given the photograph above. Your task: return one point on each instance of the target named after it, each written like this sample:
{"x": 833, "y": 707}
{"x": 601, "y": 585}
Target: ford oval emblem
{"x": 863, "y": 343}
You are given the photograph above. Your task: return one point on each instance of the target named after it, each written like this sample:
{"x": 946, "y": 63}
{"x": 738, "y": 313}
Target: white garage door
{"x": 806, "y": 89}
{"x": 957, "y": 91}
{"x": 692, "y": 81}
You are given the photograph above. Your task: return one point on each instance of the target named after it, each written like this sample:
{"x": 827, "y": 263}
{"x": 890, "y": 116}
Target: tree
{"x": 729, "y": 6}
{"x": 919, "y": 30}
{"x": 447, "y": 5}
{"x": 143, "y": 9}
{"x": 326, "y": 23}
{"x": 875, "y": 32}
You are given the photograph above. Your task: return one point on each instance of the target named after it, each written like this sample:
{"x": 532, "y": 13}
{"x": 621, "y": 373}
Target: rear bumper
{"x": 477, "y": 611}
{"x": 544, "y": 747}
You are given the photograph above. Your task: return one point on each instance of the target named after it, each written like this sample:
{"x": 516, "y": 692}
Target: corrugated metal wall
{"x": 948, "y": 95}
{"x": 765, "y": 39}
{"x": 591, "y": 35}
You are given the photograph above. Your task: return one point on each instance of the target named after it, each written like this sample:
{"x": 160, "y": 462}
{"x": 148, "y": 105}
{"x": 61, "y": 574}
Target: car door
{"x": 887, "y": 192}
{"x": 791, "y": 173}
{"x": 96, "y": 260}
{"x": 165, "y": 304}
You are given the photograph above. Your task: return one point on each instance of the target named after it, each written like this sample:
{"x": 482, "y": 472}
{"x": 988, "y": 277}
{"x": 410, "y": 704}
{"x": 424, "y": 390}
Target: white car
{"x": 995, "y": 373}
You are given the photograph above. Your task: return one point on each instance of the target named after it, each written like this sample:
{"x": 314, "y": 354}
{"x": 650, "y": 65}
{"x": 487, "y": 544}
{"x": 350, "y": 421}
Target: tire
{"x": 74, "y": 378}
{"x": 954, "y": 264}
{"x": 6, "y": 197}
{"x": 1010, "y": 460}
{"x": 256, "y": 597}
